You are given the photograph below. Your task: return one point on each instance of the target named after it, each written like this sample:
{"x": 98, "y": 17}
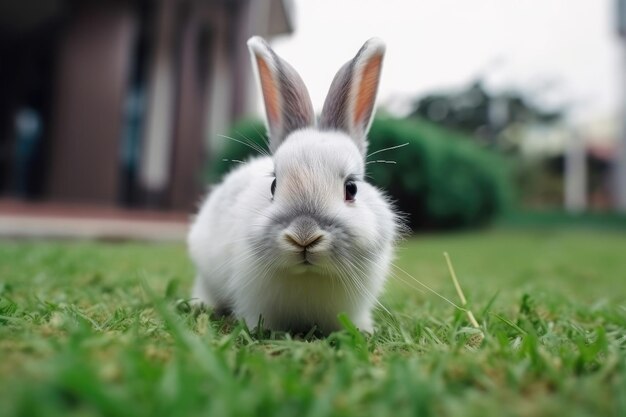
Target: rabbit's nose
{"x": 302, "y": 242}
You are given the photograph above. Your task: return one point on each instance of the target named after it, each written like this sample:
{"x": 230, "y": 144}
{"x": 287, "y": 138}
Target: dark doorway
{"x": 27, "y": 55}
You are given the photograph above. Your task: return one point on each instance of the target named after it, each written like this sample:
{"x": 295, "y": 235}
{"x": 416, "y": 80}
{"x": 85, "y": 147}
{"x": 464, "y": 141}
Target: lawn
{"x": 90, "y": 329}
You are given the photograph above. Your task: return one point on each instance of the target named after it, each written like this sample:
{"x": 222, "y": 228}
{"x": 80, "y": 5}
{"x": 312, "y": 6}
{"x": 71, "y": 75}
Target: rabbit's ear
{"x": 287, "y": 101}
{"x": 349, "y": 106}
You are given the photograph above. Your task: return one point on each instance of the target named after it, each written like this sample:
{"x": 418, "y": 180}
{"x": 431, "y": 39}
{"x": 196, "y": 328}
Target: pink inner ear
{"x": 366, "y": 93}
{"x": 270, "y": 92}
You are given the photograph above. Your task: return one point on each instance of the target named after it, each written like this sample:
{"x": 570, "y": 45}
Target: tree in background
{"x": 492, "y": 119}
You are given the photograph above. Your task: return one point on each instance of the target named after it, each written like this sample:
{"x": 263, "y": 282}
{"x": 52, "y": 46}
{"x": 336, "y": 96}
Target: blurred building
{"x": 114, "y": 102}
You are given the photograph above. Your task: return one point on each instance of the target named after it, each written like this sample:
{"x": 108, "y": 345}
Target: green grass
{"x": 90, "y": 329}
{"x": 554, "y": 219}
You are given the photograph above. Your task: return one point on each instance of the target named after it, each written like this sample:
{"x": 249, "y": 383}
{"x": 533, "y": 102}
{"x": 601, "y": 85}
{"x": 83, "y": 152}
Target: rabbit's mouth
{"x": 307, "y": 261}
{"x": 304, "y": 266}
{"x": 306, "y": 258}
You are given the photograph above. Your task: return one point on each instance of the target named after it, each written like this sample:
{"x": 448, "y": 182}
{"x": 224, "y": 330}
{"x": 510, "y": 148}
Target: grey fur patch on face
{"x": 343, "y": 248}
{"x": 322, "y": 220}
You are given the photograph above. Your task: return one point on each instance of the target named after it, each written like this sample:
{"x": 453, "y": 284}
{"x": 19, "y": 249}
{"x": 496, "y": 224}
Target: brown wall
{"x": 188, "y": 145}
{"x": 92, "y": 74}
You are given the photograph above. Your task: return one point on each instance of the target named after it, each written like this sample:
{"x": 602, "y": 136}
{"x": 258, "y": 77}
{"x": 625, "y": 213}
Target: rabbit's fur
{"x": 300, "y": 251}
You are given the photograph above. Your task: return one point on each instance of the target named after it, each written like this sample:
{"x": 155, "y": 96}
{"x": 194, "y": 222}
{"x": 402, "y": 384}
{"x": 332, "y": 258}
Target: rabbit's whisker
{"x": 387, "y": 149}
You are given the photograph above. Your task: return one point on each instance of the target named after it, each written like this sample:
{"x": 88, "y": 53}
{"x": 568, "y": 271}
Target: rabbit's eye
{"x": 273, "y": 187}
{"x": 350, "y": 190}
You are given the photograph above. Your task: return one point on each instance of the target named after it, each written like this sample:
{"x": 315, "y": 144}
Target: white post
{"x": 575, "y": 174}
{"x": 620, "y": 157}
{"x": 155, "y": 166}
{"x": 619, "y": 179}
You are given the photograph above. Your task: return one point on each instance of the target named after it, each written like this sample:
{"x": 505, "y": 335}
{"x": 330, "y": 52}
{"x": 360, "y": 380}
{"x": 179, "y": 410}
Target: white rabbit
{"x": 299, "y": 237}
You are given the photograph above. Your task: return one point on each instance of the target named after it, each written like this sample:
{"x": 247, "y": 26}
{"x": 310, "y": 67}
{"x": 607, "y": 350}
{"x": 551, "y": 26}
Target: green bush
{"x": 441, "y": 180}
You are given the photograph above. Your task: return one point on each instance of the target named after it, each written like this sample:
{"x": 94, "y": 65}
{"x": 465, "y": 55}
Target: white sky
{"x": 565, "y": 50}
